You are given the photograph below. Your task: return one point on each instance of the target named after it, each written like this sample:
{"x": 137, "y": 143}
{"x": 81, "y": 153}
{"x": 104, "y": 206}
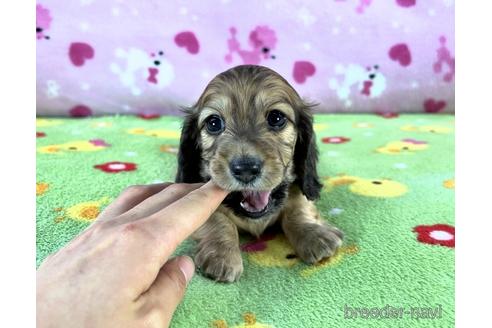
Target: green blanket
{"x": 389, "y": 185}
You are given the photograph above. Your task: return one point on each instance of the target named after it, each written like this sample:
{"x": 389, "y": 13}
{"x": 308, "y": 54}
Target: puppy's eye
{"x": 276, "y": 119}
{"x": 214, "y": 124}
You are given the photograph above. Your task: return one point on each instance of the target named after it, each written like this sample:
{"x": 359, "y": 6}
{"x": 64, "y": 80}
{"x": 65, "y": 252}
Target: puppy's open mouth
{"x": 255, "y": 204}
{"x": 255, "y": 201}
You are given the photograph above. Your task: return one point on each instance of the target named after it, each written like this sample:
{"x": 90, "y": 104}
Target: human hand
{"x": 116, "y": 273}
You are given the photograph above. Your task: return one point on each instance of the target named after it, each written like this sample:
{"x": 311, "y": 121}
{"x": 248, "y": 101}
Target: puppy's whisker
{"x": 252, "y": 135}
{"x": 282, "y": 160}
{"x": 289, "y": 145}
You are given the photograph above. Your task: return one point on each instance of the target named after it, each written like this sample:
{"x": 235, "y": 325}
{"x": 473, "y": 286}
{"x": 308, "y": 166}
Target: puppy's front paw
{"x": 220, "y": 263}
{"x": 317, "y": 241}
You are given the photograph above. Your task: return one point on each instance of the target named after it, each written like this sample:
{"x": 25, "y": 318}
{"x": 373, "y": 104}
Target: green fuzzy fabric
{"x": 376, "y": 192}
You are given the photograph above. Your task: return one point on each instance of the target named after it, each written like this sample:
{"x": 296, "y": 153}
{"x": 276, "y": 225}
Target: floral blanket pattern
{"x": 388, "y": 184}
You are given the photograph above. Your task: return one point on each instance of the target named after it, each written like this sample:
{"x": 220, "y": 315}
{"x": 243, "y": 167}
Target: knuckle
{"x": 177, "y": 188}
{"x": 135, "y": 230}
{"x": 99, "y": 227}
{"x": 178, "y": 279}
{"x": 134, "y": 190}
{"x": 197, "y": 195}
{"x": 154, "y": 318}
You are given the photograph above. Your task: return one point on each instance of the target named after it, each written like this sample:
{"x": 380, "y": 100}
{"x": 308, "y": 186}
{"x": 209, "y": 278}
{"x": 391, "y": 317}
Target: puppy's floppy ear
{"x": 189, "y": 154}
{"x": 306, "y": 154}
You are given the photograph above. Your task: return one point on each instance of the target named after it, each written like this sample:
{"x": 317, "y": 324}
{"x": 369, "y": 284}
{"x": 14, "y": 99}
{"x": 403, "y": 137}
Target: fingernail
{"x": 186, "y": 266}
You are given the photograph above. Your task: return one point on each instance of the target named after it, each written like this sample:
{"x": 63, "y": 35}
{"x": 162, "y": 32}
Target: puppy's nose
{"x": 245, "y": 169}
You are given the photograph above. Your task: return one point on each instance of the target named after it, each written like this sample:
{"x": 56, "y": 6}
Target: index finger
{"x": 179, "y": 220}
{"x": 129, "y": 198}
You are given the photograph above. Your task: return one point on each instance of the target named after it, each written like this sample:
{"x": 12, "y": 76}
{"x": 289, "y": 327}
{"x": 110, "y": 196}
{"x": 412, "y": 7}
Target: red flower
{"x": 335, "y": 140}
{"x": 148, "y": 116}
{"x": 116, "y": 167}
{"x": 40, "y": 134}
{"x": 388, "y": 114}
{"x": 437, "y": 234}
{"x": 258, "y": 244}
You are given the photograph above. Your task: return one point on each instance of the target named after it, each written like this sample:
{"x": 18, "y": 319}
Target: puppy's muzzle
{"x": 245, "y": 169}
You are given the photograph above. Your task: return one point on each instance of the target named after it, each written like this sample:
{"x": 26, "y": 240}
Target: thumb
{"x": 170, "y": 284}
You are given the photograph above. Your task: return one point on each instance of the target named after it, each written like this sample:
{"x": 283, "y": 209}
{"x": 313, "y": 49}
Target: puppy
{"x": 251, "y": 133}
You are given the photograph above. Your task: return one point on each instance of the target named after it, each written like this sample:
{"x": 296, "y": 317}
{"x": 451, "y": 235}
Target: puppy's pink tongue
{"x": 255, "y": 201}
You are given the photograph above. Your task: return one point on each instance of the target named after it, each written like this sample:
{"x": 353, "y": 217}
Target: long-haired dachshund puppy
{"x": 251, "y": 133}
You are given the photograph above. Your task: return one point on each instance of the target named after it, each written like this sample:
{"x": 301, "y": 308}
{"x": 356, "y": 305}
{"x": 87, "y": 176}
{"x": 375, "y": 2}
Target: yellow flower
{"x": 158, "y": 133}
{"x": 402, "y": 147}
{"x": 43, "y": 122}
{"x": 74, "y": 146}
{"x": 381, "y": 188}
{"x": 102, "y": 124}
{"x": 276, "y": 254}
{"x": 363, "y": 125}
{"x": 427, "y": 128}
{"x": 41, "y": 188}
{"x": 329, "y": 261}
{"x": 449, "y": 184}
{"x": 87, "y": 211}
{"x": 249, "y": 322}
{"x": 318, "y": 127}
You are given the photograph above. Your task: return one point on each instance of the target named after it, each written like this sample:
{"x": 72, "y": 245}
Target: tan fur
{"x": 218, "y": 255}
{"x": 312, "y": 238}
{"x": 243, "y": 101}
